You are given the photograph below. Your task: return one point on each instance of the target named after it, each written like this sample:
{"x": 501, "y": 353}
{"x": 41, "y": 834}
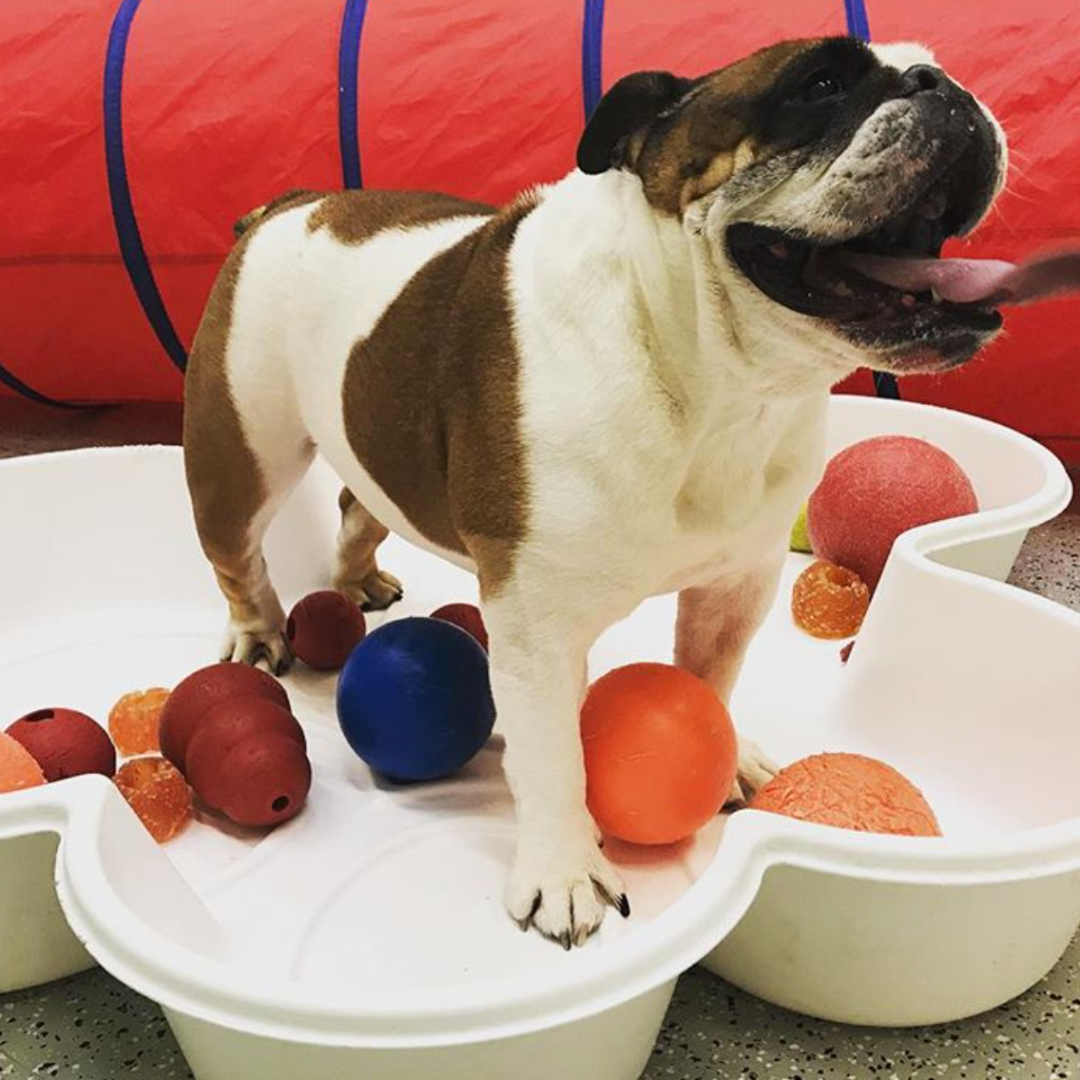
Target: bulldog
{"x": 613, "y": 387}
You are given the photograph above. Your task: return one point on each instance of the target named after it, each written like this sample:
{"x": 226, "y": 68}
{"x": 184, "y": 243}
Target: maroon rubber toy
{"x": 225, "y": 727}
{"x": 274, "y": 777}
{"x": 465, "y": 616}
{"x": 194, "y": 697}
{"x": 323, "y": 628}
{"x": 65, "y": 743}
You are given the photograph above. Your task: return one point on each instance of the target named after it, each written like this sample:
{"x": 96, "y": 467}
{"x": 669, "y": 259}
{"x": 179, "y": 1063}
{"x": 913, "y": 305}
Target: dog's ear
{"x": 626, "y": 109}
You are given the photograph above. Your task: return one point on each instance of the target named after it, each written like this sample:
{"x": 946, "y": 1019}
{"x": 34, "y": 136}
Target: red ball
{"x": 660, "y": 753}
{"x": 273, "y": 778}
{"x": 324, "y": 628}
{"x": 225, "y": 727}
{"x": 875, "y": 490}
{"x": 467, "y": 617}
{"x": 65, "y": 743}
{"x": 195, "y": 696}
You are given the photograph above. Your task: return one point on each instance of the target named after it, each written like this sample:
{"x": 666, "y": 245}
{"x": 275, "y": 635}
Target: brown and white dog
{"x": 611, "y": 388}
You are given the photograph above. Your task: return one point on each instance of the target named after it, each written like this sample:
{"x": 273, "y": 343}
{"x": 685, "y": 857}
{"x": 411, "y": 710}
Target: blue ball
{"x": 414, "y": 699}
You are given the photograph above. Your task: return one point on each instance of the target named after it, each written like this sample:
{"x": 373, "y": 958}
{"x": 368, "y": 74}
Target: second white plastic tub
{"x": 366, "y": 938}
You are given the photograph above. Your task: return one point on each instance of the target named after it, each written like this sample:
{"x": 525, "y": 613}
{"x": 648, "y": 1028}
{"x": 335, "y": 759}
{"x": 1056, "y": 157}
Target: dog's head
{"x": 798, "y": 161}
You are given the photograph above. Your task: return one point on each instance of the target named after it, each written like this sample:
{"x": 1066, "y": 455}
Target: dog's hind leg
{"x": 358, "y": 574}
{"x": 245, "y": 448}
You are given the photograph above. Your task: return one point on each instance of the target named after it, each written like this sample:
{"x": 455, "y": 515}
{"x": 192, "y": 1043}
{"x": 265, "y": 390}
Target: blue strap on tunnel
{"x": 123, "y": 210}
{"x": 592, "y": 48}
{"x": 857, "y": 23}
{"x": 13, "y": 382}
{"x": 352, "y": 26}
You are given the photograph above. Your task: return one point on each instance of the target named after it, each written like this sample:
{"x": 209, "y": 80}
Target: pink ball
{"x": 875, "y": 490}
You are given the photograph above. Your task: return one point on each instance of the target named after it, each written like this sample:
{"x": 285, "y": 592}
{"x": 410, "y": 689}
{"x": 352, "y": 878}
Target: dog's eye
{"x": 821, "y": 86}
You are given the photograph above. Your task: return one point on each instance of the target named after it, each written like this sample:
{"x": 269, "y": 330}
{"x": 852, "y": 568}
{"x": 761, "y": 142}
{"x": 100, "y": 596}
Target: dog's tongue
{"x": 970, "y": 281}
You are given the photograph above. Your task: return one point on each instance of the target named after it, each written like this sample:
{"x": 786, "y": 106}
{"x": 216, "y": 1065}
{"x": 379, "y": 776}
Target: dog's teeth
{"x": 935, "y": 296}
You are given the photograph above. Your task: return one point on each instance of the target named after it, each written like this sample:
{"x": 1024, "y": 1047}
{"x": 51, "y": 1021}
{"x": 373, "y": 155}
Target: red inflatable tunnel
{"x": 134, "y": 132}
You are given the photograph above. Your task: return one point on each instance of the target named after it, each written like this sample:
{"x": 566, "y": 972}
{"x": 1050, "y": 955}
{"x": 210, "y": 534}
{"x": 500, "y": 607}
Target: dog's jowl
{"x": 611, "y": 388}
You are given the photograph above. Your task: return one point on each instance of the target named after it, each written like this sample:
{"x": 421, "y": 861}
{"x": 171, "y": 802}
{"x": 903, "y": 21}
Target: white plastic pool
{"x": 366, "y": 938}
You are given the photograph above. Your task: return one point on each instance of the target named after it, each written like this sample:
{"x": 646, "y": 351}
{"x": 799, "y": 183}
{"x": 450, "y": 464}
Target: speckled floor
{"x": 92, "y": 1027}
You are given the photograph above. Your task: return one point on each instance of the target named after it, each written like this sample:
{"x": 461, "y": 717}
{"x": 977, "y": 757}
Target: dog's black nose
{"x": 919, "y": 78}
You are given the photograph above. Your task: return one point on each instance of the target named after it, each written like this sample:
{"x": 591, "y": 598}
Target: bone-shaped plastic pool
{"x": 366, "y": 938}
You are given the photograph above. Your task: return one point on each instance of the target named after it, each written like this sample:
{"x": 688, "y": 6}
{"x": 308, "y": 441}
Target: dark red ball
{"x": 195, "y": 696}
{"x": 324, "y": 628}
{"x": 273, "y": 779}
{"x": 465, "y": 616}
{"x": 65, "y": 743}
{"x": 225, "y": 727}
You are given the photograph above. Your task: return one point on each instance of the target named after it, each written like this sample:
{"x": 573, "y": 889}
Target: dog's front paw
{"x": 564, "y": 894}
{"x": 756, "y": 769}
{"x": 247, "y": 645}
{"x": 375, "y": 592}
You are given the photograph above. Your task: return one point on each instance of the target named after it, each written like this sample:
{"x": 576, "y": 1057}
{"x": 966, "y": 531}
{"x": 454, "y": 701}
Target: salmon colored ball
{"x": 660, "y": 753}
{"x": 18, "y": 769}
{"x": 877, "y": 489}
{"x": 849, "y": 791}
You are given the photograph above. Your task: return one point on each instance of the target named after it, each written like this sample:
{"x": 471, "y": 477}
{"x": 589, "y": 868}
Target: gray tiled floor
{"x": 92, "y": 1027}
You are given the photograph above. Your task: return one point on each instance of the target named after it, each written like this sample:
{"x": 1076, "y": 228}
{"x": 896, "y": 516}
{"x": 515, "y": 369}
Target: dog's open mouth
{"x": 894, "y": 274}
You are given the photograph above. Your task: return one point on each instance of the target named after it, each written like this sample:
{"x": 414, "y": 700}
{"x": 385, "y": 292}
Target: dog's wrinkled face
{"x": 798, "y": 160}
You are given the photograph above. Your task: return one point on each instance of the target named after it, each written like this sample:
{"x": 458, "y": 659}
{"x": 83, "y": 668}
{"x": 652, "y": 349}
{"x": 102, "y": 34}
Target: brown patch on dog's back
{"x": 355, "y": 216}
{"x": 431, "y": 401}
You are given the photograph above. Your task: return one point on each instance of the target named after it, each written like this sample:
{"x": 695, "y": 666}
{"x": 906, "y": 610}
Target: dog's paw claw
{"x": 257, "y": 646}
{"x": 565, "y": 898}
{"x": 376, "y": 592}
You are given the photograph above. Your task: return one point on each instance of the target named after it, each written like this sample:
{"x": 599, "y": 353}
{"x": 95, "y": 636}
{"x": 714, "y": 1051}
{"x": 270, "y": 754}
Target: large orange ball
{"x": 660, "y": 753}
{"x": 849, "y": 791}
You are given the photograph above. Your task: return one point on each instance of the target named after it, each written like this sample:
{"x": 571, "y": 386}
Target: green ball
{"x": 800, "y": 538}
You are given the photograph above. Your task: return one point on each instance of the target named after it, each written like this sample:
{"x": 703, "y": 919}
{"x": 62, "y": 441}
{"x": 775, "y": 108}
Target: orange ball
{"x": 849, "y": 791}
{"x": 660, "y": 753}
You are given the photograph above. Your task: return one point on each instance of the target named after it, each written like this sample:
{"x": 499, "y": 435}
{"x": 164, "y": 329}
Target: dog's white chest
{"x": 741, "y": 495}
